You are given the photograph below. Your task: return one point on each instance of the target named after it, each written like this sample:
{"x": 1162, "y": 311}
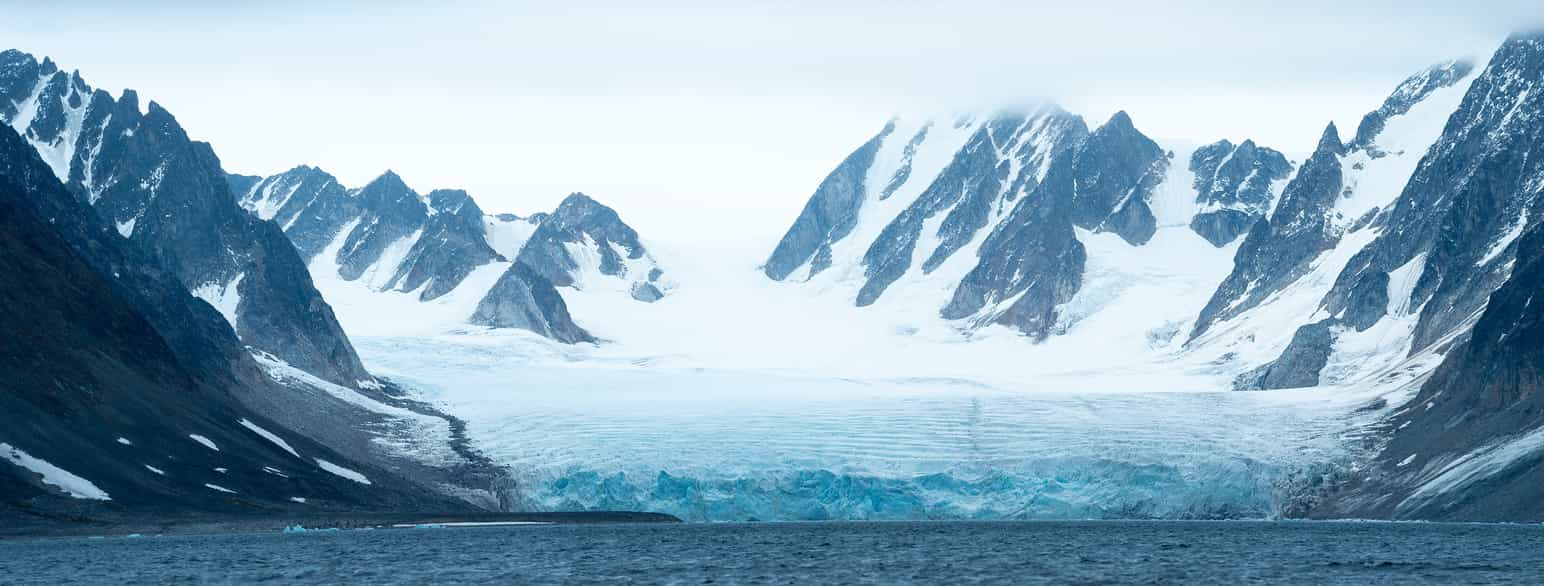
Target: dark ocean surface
{"x": 875, "y": 552}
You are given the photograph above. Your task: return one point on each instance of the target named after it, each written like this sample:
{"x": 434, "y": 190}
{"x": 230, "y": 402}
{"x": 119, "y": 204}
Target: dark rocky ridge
{"x": 829, "y": 215}
{"x": 307, "y": 202}
{"x": 582, "y": 220}
{"x": 1468, "y": 193}
{"x": 967, "y": 191}
{"x": 1114, "y": 174}
{"x": 1034, "y": 254}
{"x": 168, "y": 195}
{"x": 524, "y": 299}
{"x": 1484, "y": 395}
{"x": 391, "y": 212}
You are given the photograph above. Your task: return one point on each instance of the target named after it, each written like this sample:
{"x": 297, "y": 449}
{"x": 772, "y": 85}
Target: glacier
{"x": 740, "y": 398}
{"x": 583, "y": 428}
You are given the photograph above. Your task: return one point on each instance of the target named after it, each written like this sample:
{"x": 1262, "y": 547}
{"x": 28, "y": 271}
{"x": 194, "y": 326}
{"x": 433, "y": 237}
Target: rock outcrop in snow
{"x": 1234, "y": 184}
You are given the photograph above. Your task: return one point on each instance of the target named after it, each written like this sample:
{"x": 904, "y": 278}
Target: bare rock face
{"x": 1233, "y": 185}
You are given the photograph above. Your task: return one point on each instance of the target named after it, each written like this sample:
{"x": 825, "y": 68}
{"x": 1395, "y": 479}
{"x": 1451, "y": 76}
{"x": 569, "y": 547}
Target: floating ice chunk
{"x": 126, "y": 227}
{"x": 125, "y": 441}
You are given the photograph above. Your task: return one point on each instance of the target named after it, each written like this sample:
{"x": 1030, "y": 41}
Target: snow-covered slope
{"x": 436, "y": 262}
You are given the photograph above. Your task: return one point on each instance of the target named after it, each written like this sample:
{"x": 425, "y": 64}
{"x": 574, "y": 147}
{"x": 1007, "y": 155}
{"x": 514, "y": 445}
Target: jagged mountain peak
{"x": 128, "y": 100}
{"x": 304, "y": 169}
{"x": 453, "y": 201}
{"x": 1329, "y": 141}
{"x": 387, "y": 182}
{"x": 1119, "y": 122}
{"x": 578, "y": 211}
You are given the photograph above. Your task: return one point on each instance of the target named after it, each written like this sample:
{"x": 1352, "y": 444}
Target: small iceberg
{"x": 296, "y": 529}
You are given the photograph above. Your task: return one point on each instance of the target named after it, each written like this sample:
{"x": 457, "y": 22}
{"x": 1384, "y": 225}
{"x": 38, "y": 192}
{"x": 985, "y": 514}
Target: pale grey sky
{"x": 720, "y": 118}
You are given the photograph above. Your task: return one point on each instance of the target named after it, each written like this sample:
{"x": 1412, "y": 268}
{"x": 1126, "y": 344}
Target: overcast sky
{"x": 720, "y": 118}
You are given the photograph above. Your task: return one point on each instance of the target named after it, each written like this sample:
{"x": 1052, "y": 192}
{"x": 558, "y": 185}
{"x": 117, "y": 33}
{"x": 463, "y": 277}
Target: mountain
{"x": 167, "y": 194}
{"x": 1399, "y": 260}
{"x": 996, "y": 212}
{"x": 1237, "y": 185}
{"x": 439, "y": 261}
{"x": 1465, "y": 235}
{"x": 1343, "y": 202}
{"x": 120, "y": 393}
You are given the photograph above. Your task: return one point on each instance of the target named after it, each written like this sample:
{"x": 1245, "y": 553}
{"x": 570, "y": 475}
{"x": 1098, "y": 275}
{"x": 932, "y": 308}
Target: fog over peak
{"x": 673, "y": 111}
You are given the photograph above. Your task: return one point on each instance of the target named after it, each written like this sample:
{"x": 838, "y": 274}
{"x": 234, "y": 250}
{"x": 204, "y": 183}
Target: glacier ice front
{"x": 720, "y": 444}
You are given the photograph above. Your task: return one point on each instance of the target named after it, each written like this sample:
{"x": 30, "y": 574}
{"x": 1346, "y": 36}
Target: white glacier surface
{"x": 584, "y": 431}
